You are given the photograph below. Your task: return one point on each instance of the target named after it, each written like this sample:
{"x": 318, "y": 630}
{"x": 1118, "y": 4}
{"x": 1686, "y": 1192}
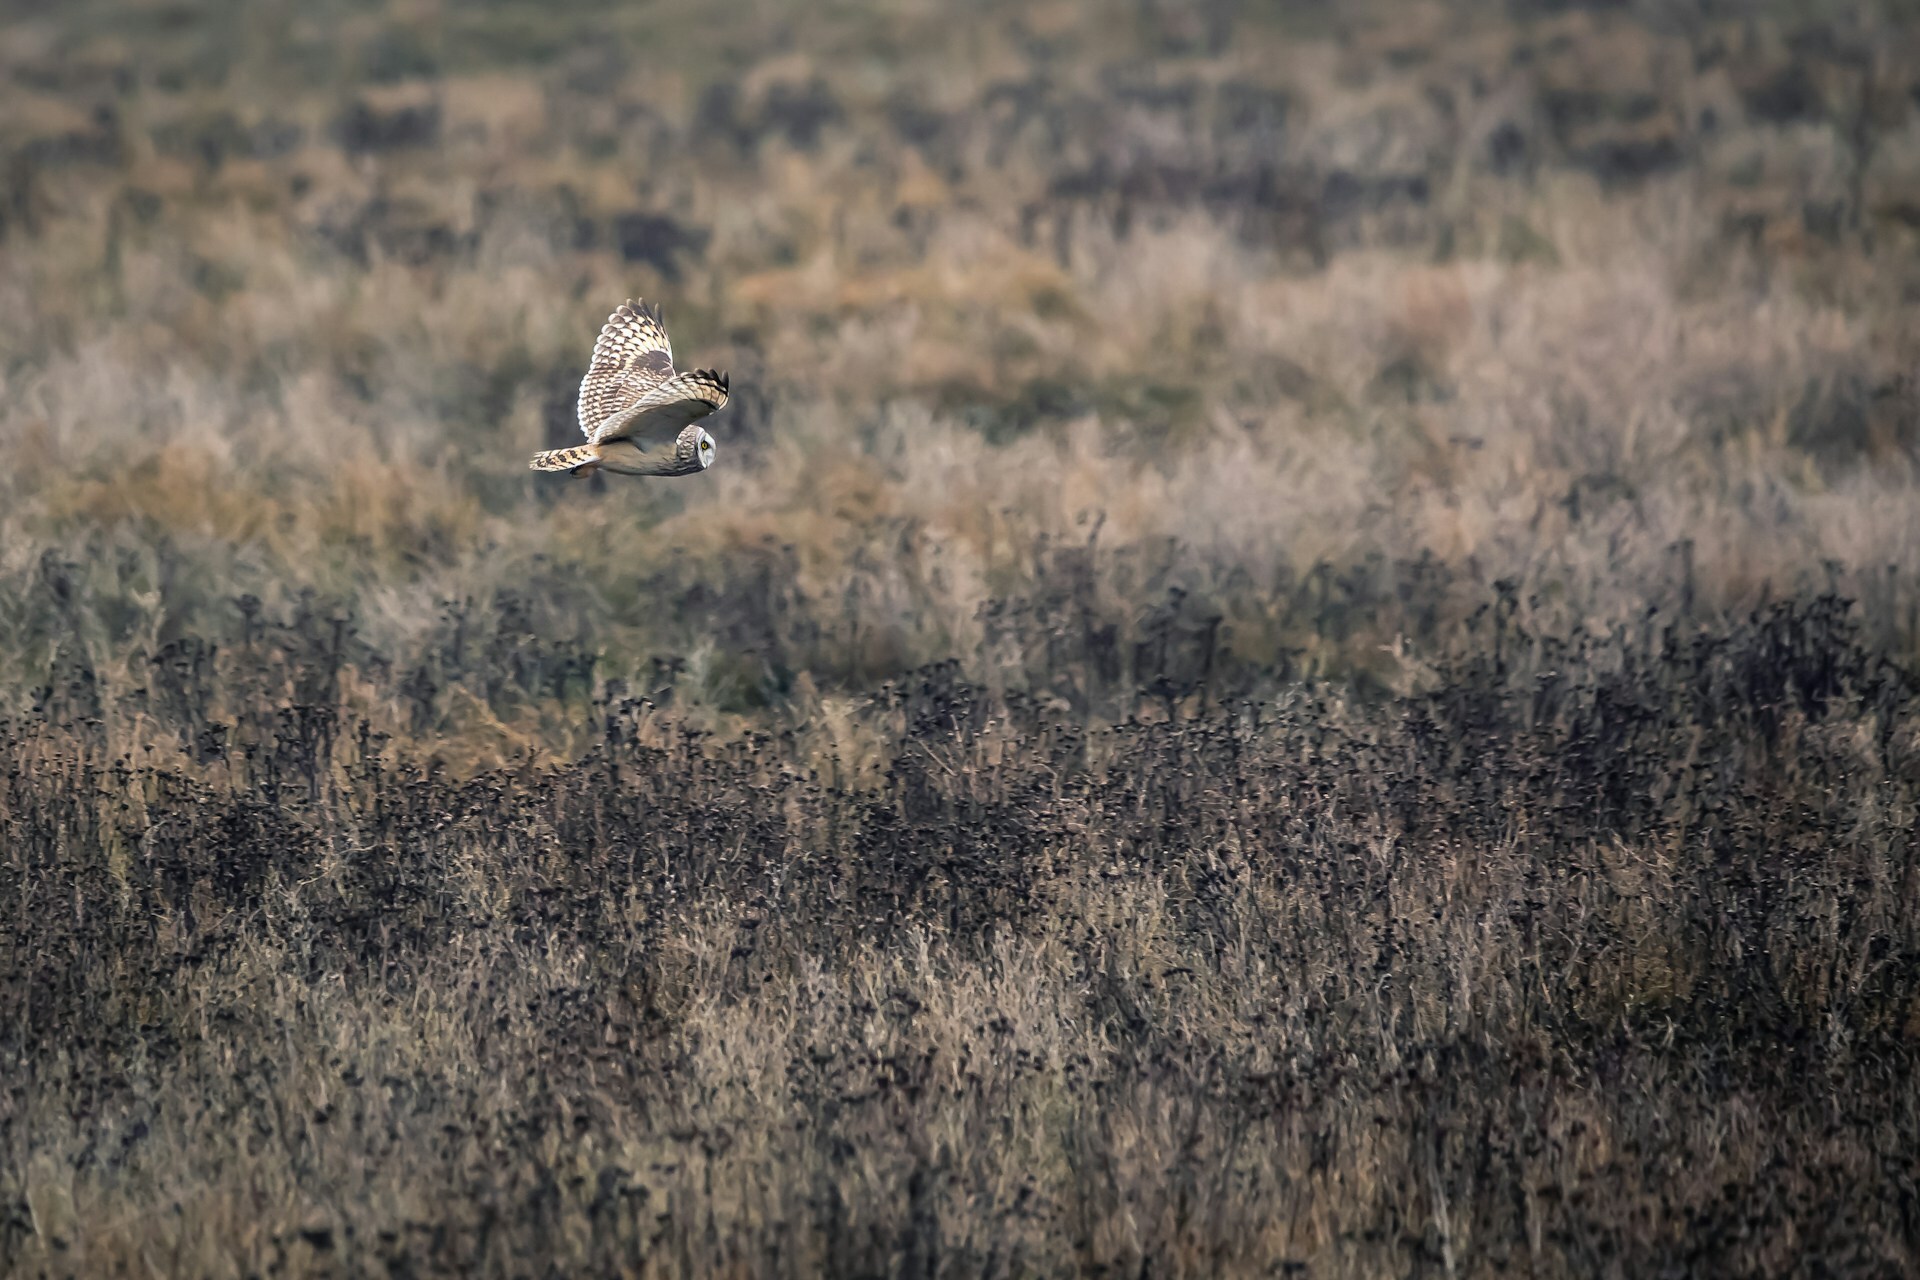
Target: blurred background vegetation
{"x": 1208, "y": 484}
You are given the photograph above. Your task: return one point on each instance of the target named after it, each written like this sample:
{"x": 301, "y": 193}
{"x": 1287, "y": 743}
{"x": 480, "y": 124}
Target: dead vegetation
{"x": 1300, "y": 658}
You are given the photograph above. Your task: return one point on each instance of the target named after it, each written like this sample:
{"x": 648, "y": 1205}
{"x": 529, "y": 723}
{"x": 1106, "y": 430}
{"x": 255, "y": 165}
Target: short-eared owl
{"x": 637, "y": 412}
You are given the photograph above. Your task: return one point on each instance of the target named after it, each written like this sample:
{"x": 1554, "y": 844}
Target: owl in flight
{"x": 637, "y": 412}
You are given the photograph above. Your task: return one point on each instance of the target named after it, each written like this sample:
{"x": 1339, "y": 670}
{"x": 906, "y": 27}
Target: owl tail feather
{"x": 582, "y": 460}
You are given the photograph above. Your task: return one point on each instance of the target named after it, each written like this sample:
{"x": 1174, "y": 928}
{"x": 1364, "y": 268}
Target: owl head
{"x": 693, "y": 451}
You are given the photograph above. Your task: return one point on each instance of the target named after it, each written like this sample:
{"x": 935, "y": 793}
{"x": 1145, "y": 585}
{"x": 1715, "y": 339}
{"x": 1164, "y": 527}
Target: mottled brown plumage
{"x": 632, "y": 395}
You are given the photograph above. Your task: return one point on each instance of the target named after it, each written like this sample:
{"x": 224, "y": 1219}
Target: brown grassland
{"x": 1302, "y": 657}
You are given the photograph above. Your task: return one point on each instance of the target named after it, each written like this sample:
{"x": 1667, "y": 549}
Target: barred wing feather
{"x": 662, "y": 411}
{"x": 631, "y": 359}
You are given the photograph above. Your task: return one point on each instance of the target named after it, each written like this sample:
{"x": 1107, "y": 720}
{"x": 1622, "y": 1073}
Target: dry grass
{"x": 1300, "y": 658}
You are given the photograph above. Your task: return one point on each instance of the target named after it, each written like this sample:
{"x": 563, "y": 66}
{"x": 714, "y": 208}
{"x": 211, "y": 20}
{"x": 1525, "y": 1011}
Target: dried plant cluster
{"x": 1301, "y": 658}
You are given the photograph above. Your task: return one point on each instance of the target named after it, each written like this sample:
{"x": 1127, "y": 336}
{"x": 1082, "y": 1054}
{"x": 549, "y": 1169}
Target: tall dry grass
{"x": 1299, "y": 655}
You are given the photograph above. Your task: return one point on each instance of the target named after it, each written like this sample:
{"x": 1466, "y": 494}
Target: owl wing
{"x": 661, "y": 412}
{"x": 632, "y": 358}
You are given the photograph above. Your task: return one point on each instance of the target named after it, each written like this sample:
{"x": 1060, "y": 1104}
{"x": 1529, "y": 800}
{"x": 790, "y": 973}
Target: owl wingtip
{"x": 640, "y": 309}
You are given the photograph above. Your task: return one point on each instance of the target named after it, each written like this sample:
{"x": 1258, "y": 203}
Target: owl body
{"x": 691, "y": 452}
{"x": 632, "y": 395}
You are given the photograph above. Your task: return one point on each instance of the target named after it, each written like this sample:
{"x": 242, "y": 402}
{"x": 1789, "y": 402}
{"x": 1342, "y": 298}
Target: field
{"x": 1302, "y": 657}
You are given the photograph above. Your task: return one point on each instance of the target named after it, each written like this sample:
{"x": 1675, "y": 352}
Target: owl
{"x": 639, "y": 414}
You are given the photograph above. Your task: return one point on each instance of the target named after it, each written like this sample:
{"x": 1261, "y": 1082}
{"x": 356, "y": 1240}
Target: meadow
{"x": 1302, "y": 657}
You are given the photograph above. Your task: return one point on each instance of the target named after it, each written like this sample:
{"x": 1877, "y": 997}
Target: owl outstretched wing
{"x": 631, "y": 359}
{"x": 662, "y": 411}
